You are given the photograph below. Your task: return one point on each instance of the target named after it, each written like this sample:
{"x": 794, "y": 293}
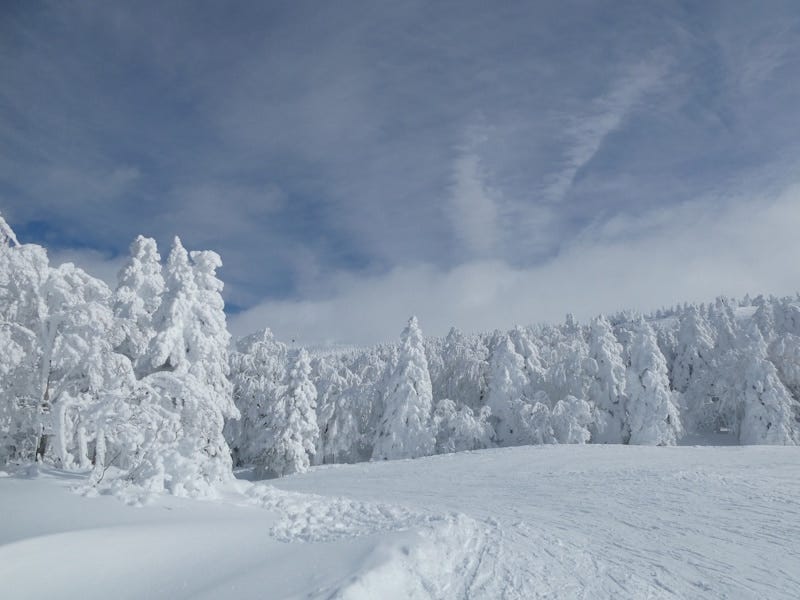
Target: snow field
{"x": 605, "y": 521}
{"x": 529, "y": 522}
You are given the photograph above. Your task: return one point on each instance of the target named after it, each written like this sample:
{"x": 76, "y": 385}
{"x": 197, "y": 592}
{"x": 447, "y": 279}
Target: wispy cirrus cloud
{"x": 356, "y": 142}
{"x": 586, "y": 130}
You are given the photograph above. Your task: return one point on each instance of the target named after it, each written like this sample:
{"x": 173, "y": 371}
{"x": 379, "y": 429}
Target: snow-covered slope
{"x": 529, "y": 522}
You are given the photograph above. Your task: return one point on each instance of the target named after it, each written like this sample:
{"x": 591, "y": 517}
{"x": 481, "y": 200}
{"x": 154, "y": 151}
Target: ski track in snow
{"x": 596, "y": 522}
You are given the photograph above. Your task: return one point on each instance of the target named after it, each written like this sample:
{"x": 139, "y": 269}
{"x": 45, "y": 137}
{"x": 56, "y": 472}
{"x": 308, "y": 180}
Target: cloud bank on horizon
{"x": 354, "y": 163}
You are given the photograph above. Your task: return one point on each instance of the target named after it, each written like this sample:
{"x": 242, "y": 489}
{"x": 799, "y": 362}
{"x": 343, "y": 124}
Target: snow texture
{"x": 602, "y": 521}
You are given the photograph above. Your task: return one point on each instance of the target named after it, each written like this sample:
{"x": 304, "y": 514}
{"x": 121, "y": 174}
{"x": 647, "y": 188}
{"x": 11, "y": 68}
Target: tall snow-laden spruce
{"x": 339, "y": 435}
{"x": 652, "y": 409}
{"x": 458, "y": 428}
{"x": 464, "y": 370}
{"x": 607, "y": 389}
{"x": 753, "y": 402}
{"x": 291, "y": 424}
{"x": 137, "y": 298}
{"x": 187, "y": 394}
{"x": 694, "y": 351}
{"x": 405, "y": 429}
{"x": 23, "y": 272}
{"x": 506, "y": 399}
{"x": 693, "y": 371}
{"x": 258, "y": 370}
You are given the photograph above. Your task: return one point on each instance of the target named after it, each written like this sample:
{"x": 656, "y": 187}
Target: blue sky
{"x": 479, "y": 164}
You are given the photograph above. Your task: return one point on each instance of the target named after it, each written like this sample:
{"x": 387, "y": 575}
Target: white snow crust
{"x": 598, "y": 521}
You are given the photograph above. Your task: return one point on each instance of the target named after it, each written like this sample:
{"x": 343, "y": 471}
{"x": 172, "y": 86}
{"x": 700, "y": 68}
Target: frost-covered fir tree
{"x": 187, "y": 390}
{"x": 693, "y": 371}
{"x": 339, "y": 437}
{"x": 526, "y": 347}
{"x": 23, "y": 271}
{"x": 138, "y": 296}
{"x": 695, "y": 349}
{"x": 753, "y": 402}
{"x": 536, "y": 420}
{"x": 607, "y": 389}
{"x": 291, "y": 423}
{"x": 405, "y": 429}
{"x": 723, "y": 322}
{"x": 459, "y": 429}
{"x": 569, "y": 373}
{"x": 764, "y": 317}
{"x": 464, "y": 370}
{"x": 571, "y": 418}
{"x": 652, "y": 408}
{"x": 507, "y": 400}
{"x": 784, "y": 353}
{"x": 258, "y": 371}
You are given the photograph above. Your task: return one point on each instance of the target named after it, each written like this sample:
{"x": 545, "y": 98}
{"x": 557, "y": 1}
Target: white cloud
{"x": 586, "y": 131}
{"x": 472, "y": 205}
{"x": 692, "y": 252}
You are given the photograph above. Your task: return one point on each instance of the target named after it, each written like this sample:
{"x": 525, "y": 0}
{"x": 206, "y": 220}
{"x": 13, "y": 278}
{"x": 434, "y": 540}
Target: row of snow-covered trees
{"x": 143, "y": 378}
{"x": 727, "y": 367}
{"x": 136, "y": 378}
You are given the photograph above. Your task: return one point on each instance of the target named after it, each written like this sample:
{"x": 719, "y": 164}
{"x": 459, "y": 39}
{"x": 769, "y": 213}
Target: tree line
{"x": 145, "y": 379}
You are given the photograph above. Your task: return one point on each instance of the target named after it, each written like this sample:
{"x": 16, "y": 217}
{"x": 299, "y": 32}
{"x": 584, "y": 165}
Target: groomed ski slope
{"x": 530, "y": 522}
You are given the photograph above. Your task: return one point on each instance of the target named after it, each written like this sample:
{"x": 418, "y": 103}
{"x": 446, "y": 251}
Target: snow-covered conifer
{"x": 188, "y": 391}
{"x": 464, "y": 372}
{"x": 405, "y": 429}
{"x": 571, "y": 418}
{"x": 607, "y": 389}
{"x": 695, "y": 349}
{"x": 458, "y": 428}
{"x": 338, "y": 415}
{"x": 291, "y": 422}
{"x": 258, "y": 371}
{"x": 652, "y": 409}
{"x": 753, "y": 402}
{"x": 138, "y": 296}
{"x": 506, "y": 399}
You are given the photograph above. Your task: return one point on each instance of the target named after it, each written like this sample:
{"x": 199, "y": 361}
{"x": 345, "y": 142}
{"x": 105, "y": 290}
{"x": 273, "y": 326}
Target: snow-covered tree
{"x": 570, "y": 371}
{"x": 23, "y": 271}
{"x": 464, "y": 371}
{"x": 405, "y": 429}
{"x": 291, "y": 423}
{"x": 459, "y": 429}
{"x": 526, "y": 347}
{"x": 536, "y": 420}
{"x": 258, "y": 370}
{"x": 607, "y": 389}
{"x": 723, "y": 322}
{"x": 695, "y": 349}
{"x": 138, "y": 296}
{"x": 506, "y": 399}
{"x": 187, "y": 390}
{"x": 753, "y": 402}
{"x": 652, "y": 408}
{"x": 61, "y": 326}
{"x": 337, "y": 414}
{"x": 7, "y": 236}
{"x": 784, "y": 353}
{"x": 571, "y": 418}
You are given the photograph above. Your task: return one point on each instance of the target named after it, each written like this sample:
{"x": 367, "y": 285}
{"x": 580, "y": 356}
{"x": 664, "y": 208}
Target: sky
{"x": 477, "y": 164}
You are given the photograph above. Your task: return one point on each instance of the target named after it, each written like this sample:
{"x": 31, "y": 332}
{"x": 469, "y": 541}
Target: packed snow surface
{"x": 529, "y": 522}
